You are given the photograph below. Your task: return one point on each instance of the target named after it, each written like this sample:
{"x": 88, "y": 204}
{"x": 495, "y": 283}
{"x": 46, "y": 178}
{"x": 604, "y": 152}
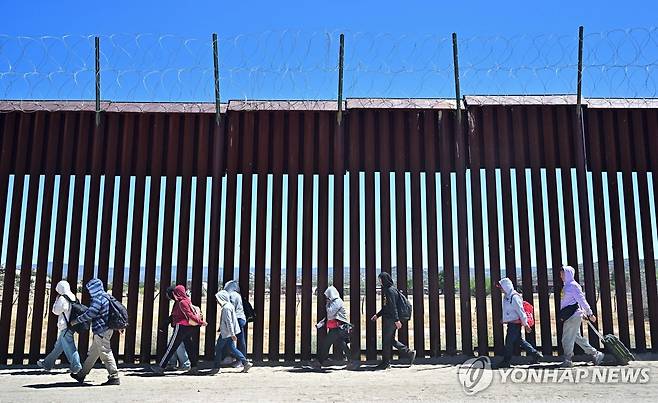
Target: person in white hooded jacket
{"x": 337, "y": 325}
{"x": 514, "y": 316}
{"x": 229, "y": 328}
{"x": 233, "y": 289}
{"x": 65, "y": 342}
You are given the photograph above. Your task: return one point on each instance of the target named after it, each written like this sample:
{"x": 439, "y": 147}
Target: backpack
{"x": 404, "y": 306}
{"x": 197, "y": 311}
{"x": 248, "y": 310}
{"x": 528, "y": 309}
{"x": 117, "y": 315}
{"x": 77, "y": 309}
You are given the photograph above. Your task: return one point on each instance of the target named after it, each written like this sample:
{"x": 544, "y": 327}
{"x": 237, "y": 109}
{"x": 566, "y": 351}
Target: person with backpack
{"x": 180, "y": 360}
{"x": 98, "y": 314}
{"x": 573, "y": 307}
{"x": 338, "y": 327}
{"x": 65, "y": 342}
{"x": 392, "y": 320}
{"x": 515, "y": 316}
{"x": 186, "y": 319}
{"x": 229, "y": 328}
{"x": 233, "y": 289}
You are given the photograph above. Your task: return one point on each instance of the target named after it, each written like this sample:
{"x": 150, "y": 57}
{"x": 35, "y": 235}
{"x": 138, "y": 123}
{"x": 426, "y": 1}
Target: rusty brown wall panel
{"x": 461, "y": 161}
{"x": 355, "y": 238}
{"x": 415, "y": 162}
{"x": 156, "y": 147}
{"x": 262, "y": 167}
{"x": 369, "y": 155}
{"x": 187, "y": 143}
{"x": 33, "y": 164}
{"x": 429, "y": 145}
{"x": 490, "y": 145}
{"x": 278, "y": 156}
{"x": 170, "y": 165}
{"x": 651, "y": 140}
{"x": 549, "y": 147}
{"x": 504, "y": 138}
{"x": 308, "y": 146}
{"x": 446, "y": 137}
{"x": 22, "y": 148}
{"x": 385, "y": 167}
{"x": 564, "y": 162}
{"x": 217, "y": 166}
{"x": 475, "y": 139}
{"x": 626, "y": 159}
{"x": 50, "y": 162}
{"x": 535, "y": 158}
{"x": 232, "y": 163}
{"x": 596, "y": 153}
{"x": 639, "y": 121}
{"x": 338, "y": 168}
{"x": 520, "y": 140}
{"x": 322, "y": 151}
{"x": 293, "y": 154}
{"x": 400, "y": 152}
{"x": 140, "y": 158}
{"x": 615, "y": 224}
{"x": 247, "y": 164}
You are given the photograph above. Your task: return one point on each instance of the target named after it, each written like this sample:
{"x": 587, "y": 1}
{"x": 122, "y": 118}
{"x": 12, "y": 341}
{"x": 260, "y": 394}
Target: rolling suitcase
{"x": 614, "y": 346}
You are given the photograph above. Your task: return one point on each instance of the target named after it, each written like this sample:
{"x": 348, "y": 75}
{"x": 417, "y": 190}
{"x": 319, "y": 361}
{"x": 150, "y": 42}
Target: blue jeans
{"x": 180, "y": 358}
{"x": 219, "y": 351}
{"x": 64, "y": 344}
{"x": 242, "y": 342}
{"x": 514, "y": 339}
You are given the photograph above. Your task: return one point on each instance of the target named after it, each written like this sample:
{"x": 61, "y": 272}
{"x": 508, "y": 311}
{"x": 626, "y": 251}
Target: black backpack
{"x": 77, "y": 309}
{"x": 404, "y": 306}
{"x": 117, "y": 317}
{"x": 248, "y": 310}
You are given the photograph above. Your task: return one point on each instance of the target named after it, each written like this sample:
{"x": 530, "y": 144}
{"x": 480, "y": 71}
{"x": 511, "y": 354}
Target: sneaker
{"x": 315, "y": 364}
{"x": 112, "y": 382}
{"x": 246, "y": 366}
{"x": 156, "y": 369}
{"x": 183, "y": 368}
{"x": 536, "y": 356}
{"x": 598, "y": 358}
{"x": 41, "y": 364}
{"x": 352, "y": 365}
{"x": 78, "y": 377}
{"x": 228, "y": 361}
{"x": 412, "y": 357}
{"x": 192, "y": 371}
{"x": 237, "y": 364}
{"x": 215, "y": 371}
{"x": 383, "y": 366}
{"x": 566, "y": 364}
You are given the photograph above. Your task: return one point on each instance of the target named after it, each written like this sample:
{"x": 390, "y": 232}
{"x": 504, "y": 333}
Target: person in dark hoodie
{"x": 98, "y": 313}
{"x": 186, "y": 322}
{"x": 391, "y": 322}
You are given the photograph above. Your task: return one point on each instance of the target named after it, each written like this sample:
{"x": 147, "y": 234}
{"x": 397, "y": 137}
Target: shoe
{"x": 111, "y": 382}
{"x": 383, "y": 366}
{"x": 315, "y": 364}
{"x": 352, "y": 365}
{"x": 228, "y": 360}
{"x": 246, "y": 366}
{"x": 215, "y": 371}
{"x": 536, "y": 356}
{"x": 598, "y": 358}
{"x": 156, "y": 369}
{"x": 412, "y": 357}
{"x": 503, "y": 364}
{"x": 183, "y": 368}
{"x": 192, "y": 371}
{"x": 566, "y": 364}
{"x": 78, "y": 377}
{"x": 41, "y": 364}
{"x": 237, "y": 364}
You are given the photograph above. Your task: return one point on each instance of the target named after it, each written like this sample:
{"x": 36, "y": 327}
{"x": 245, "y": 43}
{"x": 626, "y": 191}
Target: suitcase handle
{"x": 591, "y": 325}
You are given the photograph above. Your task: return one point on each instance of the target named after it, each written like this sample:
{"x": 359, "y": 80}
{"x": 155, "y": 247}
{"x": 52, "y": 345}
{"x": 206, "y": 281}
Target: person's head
{"x": 95, "y": 287}
{"x": 506, "y": 285}
{"x": 385, "y": 279}
{"x": 232, "y": 286}
{"x": 64, "y": 288}
{"x": 331, "y": 293}
{"x": 179, "y": 293}
{"x": 170, "y": 292}
{"x": 567, "y": 274}
{"x": 222, "y": 297}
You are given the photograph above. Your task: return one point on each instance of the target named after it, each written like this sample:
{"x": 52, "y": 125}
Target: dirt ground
{"x": 422, "y": 382}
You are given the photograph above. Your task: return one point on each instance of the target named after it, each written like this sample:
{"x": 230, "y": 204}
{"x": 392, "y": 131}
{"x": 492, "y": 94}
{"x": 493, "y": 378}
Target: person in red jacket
{"x": 186, "y": 322}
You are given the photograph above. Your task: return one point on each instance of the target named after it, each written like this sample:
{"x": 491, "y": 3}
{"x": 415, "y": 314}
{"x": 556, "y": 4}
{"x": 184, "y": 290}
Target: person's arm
{"x": 189, "y": 313}
{"x": 582, "y": 301}
{"x": 392, "y": 301}
{"x": 333, "y": 307}
{"x": 59, "y": 307}
{"x": 91, "y": 313}
{"x": 227, "y": 323}
{"x": 518, "y": 306}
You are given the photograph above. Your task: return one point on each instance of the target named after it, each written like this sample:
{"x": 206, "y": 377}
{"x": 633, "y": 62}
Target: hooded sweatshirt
{"x": 389, "y": 306}
{"x": 512, "y": 304}
{"x": 62, "y": 307}
{"x": 572, "y": 293}
{"x": 182, "y": 311}
{"x": 228, "y": 322}
{"x": 335, "y": 306}
{"x": 233, "y": 289}
{"x": 99, "y": 307}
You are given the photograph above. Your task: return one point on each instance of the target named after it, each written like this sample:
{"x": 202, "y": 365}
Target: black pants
{"x": 335, "y": 335}
{"x": 513, "y": 339}
{"x": 388, "y": 340}
{"x": 186, "y": 335}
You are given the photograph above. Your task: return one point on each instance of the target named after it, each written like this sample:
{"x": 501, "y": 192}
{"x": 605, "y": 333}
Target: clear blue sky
{"x": 364, "y": 22}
